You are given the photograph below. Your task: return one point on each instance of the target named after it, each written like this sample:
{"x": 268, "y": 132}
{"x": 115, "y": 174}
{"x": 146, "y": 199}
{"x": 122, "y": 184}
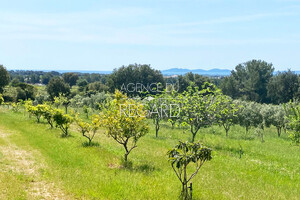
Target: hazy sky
{"x": 102, "y": 35}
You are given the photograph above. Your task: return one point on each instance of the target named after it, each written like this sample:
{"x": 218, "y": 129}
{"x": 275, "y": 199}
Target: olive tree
{"x": 125, "y": 121}
{"x": 181, "y": 156}
{"x": 248, "y": 114}
{"x": 279, "y": 119}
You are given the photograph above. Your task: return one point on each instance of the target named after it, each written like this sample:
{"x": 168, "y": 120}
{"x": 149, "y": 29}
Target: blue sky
{"x": 103, "y": 35}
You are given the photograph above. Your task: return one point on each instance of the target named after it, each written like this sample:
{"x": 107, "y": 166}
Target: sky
{"x": 102, "y": 35}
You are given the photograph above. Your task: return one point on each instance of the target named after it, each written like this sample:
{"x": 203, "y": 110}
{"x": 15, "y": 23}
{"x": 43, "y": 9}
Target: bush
{"x": 36, "y": 111}
{"x": 21, "y": 94}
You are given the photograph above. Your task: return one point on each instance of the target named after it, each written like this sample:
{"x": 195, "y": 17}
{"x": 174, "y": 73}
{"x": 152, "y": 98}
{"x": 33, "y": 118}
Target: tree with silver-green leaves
{"x": 248, "y": 114}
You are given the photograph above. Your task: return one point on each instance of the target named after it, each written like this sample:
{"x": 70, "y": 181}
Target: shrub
{"x": 62, "y": 121}
{"x": 36, "y": 111}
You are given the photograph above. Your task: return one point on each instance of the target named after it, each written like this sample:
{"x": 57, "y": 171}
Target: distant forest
{"x": 254, "y": 80}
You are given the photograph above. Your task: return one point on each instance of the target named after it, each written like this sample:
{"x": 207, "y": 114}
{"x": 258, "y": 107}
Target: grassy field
{"x": 68, "y": 170}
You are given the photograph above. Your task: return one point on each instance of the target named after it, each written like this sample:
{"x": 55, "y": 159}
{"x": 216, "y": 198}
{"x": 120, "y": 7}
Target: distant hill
{"x": 297, "y": 72}
{"x": 211, "y": 72}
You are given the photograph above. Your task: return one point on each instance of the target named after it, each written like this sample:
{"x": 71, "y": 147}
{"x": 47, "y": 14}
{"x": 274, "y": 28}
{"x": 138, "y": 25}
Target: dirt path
{"x": 23, "y": 162}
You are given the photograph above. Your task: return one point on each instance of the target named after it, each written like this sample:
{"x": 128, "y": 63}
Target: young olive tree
{"x": 279, "y": 119}
{"x": 62, "y": 121}
{"x": 88, "y": 130}
{"x": 248, "y": 114}
{"x": 125, "y": 121}
{"x": 226, "y": 112}
{"x": 181, "y": 156}
{"x": 198, "y": 108}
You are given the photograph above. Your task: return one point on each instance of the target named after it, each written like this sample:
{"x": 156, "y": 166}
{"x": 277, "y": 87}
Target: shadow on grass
{"x": 234, "y": 151}
{"x": 144, "y": 168}
{"x": 92, "y": 144}
{"x": 66, "y": 136}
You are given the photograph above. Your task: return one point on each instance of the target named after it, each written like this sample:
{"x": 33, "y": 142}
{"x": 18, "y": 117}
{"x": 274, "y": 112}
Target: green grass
{"x": 12, "y": 186}
{"x": 269, "y": 170}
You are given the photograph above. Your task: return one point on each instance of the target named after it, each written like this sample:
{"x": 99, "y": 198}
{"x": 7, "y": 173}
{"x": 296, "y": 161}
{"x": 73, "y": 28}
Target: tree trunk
{"x": 156, "y": 128}
{"x": 125, "y": 157}
{"x": 173, "y": 125}
{"x": 193, "y": 138}
{"x": 126, "y": 154}
{"x": 184, "y": 192}
{"x": 279, "y": 131}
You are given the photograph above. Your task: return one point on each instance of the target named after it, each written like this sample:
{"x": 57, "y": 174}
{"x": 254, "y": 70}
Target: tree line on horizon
{"x": 254, "y": 80}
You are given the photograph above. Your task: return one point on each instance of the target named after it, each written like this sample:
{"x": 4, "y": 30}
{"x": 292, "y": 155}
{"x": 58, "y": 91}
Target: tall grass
{"x": 269, "y": 170}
